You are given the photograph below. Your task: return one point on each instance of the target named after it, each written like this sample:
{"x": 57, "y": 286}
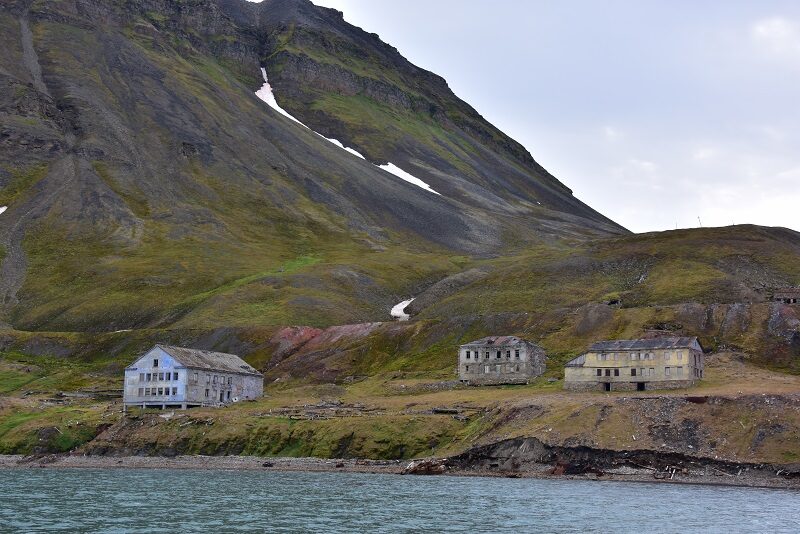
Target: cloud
{"x": 778, "y": 36}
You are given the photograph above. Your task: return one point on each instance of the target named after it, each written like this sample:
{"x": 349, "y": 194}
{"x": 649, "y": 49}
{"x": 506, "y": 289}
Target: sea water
{"x": 175, "y": 501}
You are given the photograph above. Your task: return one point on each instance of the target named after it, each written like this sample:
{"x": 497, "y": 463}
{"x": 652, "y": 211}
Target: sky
{"x": 660, "y": 115}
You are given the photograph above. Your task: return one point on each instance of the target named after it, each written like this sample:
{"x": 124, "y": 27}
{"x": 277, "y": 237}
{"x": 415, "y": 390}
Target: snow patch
{"x": 398, "y": 311}
{"x": 268, "y": 96}
{"x": 351, "y": 150}
{"x": 400, "y": 173}
{"x": 3, "y": 208}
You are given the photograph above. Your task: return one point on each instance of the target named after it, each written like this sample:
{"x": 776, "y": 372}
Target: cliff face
{"x": 146, "y": 183}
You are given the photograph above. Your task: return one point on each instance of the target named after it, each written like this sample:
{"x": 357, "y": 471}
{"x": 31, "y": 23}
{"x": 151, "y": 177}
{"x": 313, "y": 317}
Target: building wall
{"x": 157, "y": 385}
{"x": 508, "y": 368}
{"x": 686, "y": 366}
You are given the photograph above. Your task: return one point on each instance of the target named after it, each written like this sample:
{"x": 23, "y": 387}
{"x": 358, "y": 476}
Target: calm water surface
{"x": 172, "y": 501}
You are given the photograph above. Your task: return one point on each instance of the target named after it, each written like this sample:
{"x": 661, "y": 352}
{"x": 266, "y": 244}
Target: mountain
{"x": 147, "y": 185}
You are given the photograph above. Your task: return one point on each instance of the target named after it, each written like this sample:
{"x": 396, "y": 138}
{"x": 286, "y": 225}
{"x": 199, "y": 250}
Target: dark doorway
{"x": 640, "y": 386}
{"x": 221, "y": 396}
{"x": 607, "y": 386}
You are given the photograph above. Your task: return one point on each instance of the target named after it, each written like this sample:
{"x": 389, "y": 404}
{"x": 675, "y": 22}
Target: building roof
{"x": 497, "y": 340}
{"x": 577, "y": 362}
{"x": 787, "y": 291}
{"x": 645, "y": 344}
{"x": 206, "y": 359}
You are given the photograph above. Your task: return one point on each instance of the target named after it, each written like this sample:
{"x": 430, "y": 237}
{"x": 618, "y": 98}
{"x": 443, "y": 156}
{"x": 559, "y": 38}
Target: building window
{"x": 616, "y": 372}
{"x": 230, "y": 379}
{"x": 652, "y": 372}
{"x": 599, "y": 372}
{"x": 155, "y": 363}
{"x": 146, "y": 392}
{"x": 667, "y": 371}
{"x": 680, "y": 371}
{"x": 160, "y": 376}
{"x": 466, "y": 368}
{"x": 208, "y": 379}
{"x": 141, "y": 392}
{"x": 228, "y": 395}
{"x": 498, "y": 354}
{"x": 175, "y": 375}
{"x": 680, "y": 355}
{"x": 517, "y": 368}
{"x": 174, "y": 391}
{"x": 516, "y": 354}
{"x": 608, "y": 372}
{"x": 206, "y": 393}
{"x": 615, "y": 356}
{"x": 487, "y": 355}
{"x": 141, "y": 377}
{"x": 667, "y": 356}
{"x": 148, "y": 377}
{"x": 215, "y": 379}
{"x": 508, "y": 355}
{"x": 633, "y": 371}
{"x": 194, "y": 378}
{"x": 468, "y": 355}
{"x": 486, "y": 368}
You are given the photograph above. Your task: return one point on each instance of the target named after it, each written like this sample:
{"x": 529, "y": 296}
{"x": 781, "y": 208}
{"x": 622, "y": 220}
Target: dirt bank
{"x": 474, "y": 463}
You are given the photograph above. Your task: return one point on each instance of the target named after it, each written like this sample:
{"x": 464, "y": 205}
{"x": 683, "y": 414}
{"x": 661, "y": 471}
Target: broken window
{"x": 517, "y": 368}
{"x": 155, "y": 363}
{"x": 466, "y": 368}
{"x": 599, "y": 372}
{"x": 229, "y": 395}
{"x": 608, "y": 372}
{"x": 160, "y": 391}
{"x": 174, "y": 391}
{"x": 633, "y": 372}
{"x": 206, "y": 393}
{"x": 161, "y": 376}
{"x": 175, "y": 375}
{"x": 616, "y": 372}
{"x": 230, "y": 379}
{"x": 148, "y": 377}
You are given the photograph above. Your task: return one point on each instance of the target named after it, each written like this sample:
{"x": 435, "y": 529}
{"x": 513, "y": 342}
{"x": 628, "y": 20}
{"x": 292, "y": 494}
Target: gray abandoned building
{"x": 639, "y": 364}
{"x": 500, "y": 360}
{"x": 787, "y": 295}
{"x": 176, "y": 377}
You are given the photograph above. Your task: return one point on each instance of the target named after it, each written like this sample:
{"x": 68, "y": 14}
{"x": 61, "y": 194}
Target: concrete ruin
{"x": 500, "y": 360}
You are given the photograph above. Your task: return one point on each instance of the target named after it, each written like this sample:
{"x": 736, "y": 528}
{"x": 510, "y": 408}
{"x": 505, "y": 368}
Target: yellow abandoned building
{"x": 636, "y": 365}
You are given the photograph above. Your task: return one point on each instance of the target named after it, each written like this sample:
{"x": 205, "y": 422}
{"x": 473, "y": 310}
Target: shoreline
{"x": 364, "y": 466}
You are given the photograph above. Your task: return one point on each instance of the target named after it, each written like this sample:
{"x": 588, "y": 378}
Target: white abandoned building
{"x": 500, "y": 360}
{"x": 787, "y": 295}
{"x": 639, "y": 364}
{"x": 176, "y": 377}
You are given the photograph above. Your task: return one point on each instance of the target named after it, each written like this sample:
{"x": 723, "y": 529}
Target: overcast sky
{"x": 654, "y": 113}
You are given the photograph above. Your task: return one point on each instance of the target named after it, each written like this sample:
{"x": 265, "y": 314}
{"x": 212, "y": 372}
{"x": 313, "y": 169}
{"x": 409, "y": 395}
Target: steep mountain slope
{"x": 147, "y": 185}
